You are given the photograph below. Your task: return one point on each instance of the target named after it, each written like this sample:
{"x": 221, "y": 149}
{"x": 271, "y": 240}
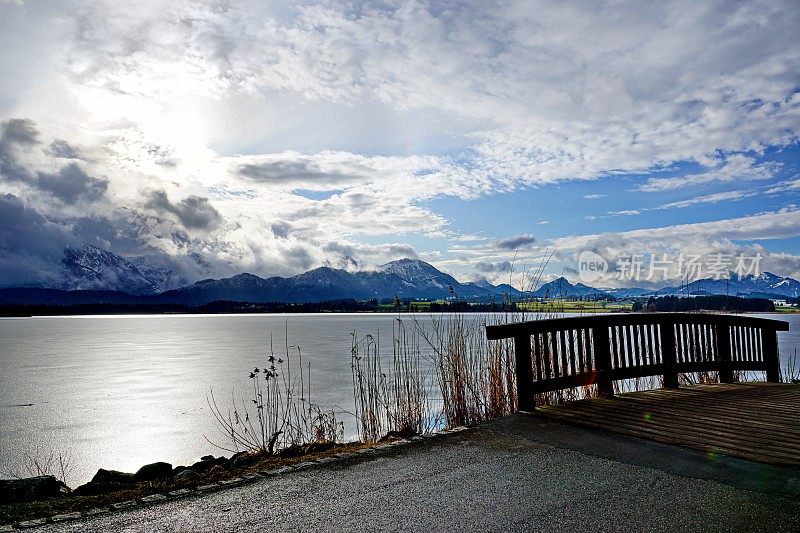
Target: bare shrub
{"x": 275, "y": 416}
{"x": 42, "y": 462}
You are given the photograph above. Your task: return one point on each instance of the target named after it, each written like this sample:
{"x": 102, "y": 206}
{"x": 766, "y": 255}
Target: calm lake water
{"x": 121, "y": 391}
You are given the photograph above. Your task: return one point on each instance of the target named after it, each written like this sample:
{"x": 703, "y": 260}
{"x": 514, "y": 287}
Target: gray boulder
{"x": 113, "y": 476}
{"x": 209, "y": 461}
{"x": 153, "y": 471}
{"x": 186, "y": 475}
{"x": 178, "y": 469}
{"x": 96, "y": 488}
{"x": 30, "y": 489}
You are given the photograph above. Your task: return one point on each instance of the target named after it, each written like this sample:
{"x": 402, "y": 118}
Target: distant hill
{"x": 35, "y": 296}
{"x": 407, "y": 278}
{"x": 766, "y": 285}
{"x": 627, "y": 292}
{"x": 93, "y": 275}
{"x": 716, "y": 302}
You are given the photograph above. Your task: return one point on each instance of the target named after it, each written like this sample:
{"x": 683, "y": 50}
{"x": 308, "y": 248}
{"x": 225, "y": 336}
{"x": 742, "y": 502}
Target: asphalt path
{"x": 520, "y": 473}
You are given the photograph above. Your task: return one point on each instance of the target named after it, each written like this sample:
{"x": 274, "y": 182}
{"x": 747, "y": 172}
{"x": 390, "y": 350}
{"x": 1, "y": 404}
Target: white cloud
{"x": 764, "y": 226}
{"x": 742, "y": 235}
{"x": 735, "y": 168}
{"x": 788, "y": 185}
{"x": 709, "y": 199}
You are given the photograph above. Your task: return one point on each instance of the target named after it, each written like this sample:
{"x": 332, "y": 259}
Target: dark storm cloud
{"x": 71, "y": 184}
{"x": 512, "y": 243}
{"x": 399, "y": 250}
{"x": 21, "y": 131}
{"x": 31, "y": 245}
{"x": 490, "y": 267}
{"x": 299, "y": 257}
{"x": 24, "y": 228}
{"x": 16, "y": 132}
{"x": 393, "y": 250}
{"x": 194, "y": 212}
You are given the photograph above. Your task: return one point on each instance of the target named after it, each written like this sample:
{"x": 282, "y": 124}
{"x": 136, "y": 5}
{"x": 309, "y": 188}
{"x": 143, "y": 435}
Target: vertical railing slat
{"x": 769, "y": 347}
{"x": 615, "y": 350}
{"x": 590, "y": 365}
{"x": 537, "y": 356}
{"x": 522, "y": 353}
{"x": 629, "y": 345}
{"x": 723, "y": 348}
{"x": 668, "y": 333}
{"x": 564, "y": 359}
{"x": 571, "y": 343}
{"x": 602, "y": 360}
{"x": 546, "y": 355}
{"x": 556, "y": 355}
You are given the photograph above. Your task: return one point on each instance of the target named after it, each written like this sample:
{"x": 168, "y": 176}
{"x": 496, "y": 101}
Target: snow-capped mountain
{"x": 504, "y": 289}
{"x": 144, "y": 279}
{"x": 325, "y": 283}
{"x": 416, "y": 273}
{"x": 96, "y": 269}
{"x": 765, "y": 285}
{"x": 562, "y": 288}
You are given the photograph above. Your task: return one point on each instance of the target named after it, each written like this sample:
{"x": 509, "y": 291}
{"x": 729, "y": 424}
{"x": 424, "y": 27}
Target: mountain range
{"x": 93, "y": 275}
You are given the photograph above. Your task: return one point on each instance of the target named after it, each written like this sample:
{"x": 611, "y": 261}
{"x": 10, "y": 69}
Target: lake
{"x": 121, "y": 391}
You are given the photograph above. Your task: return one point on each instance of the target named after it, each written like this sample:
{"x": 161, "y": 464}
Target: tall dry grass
{"x": 394, "y": 399}
{"x": 476, "y": 379}
{"x": 443, "y": 374}
{"x": 792, "y": 371}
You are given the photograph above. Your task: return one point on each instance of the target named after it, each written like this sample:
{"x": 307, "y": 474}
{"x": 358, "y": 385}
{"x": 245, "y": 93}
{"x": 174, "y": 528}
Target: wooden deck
{"x": 754, "y": 421}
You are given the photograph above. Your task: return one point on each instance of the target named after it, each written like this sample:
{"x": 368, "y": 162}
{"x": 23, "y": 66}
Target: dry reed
{"x": 395, "y": 400}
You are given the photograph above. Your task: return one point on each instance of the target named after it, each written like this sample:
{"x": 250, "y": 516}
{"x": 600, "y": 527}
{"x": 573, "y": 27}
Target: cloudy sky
{"x": 219, "y": 137}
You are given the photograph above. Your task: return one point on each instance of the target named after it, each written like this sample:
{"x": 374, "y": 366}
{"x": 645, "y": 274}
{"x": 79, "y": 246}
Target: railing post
{"x": 602, "y": 360}
{"x": 669, "y": 354}
{"x": 722, "y": 334}
{"x": 769, "y": 339}
{"x": 522, "y": 355}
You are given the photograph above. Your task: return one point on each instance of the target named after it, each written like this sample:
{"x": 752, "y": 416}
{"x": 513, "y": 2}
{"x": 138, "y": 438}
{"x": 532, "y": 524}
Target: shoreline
{"x": 73, "y": 506}
{"x": 191, "y": 312}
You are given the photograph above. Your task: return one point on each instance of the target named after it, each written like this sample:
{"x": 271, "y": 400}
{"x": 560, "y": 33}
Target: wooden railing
{"x": 561, "y": 353}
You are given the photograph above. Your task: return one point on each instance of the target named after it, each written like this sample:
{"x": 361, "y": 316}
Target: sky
{"x": 487, "y": 138}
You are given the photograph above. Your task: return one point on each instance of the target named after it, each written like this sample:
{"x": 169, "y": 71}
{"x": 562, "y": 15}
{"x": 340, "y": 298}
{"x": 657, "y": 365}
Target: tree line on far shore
{"x": 705, "y": 303}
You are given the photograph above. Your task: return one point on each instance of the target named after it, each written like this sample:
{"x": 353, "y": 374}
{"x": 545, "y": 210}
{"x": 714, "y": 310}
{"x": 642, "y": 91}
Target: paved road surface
{"x": 521, "y": 473}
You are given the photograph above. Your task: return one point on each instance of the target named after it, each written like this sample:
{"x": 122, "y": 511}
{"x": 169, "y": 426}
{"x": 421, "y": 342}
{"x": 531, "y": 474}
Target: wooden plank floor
{"x": 754, "y": 421}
